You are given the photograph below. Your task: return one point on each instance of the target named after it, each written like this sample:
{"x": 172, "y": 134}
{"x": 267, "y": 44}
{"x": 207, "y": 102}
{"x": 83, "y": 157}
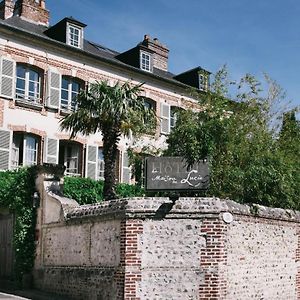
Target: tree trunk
{"x": 110, "y": 152}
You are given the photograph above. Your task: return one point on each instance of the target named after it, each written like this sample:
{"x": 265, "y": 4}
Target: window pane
{"x": 20, "y": 84}
{"x": 21, "y": 71}
{"x": 75, "y": 86}
{"x": 33, "y": 75}
{"x": 64, "y": 83}
{"x": 64, "y": 95}
{"x": 30, "y": 151}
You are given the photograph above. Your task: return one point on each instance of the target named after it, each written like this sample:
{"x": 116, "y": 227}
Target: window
{"x": 203, "y": 82}
{"x": 151, "y": 121}
{"x": 145, "y": 61}
{"x": 100, "y": 164}
{"x": 74, "y": 36}
{"x": 173, "y": 117}
{"x": 25, "y": 149}
{"x": 70, "y": 157}
{"x": 174, "y": 111}
{"x": 69, "y": 91}
{"x": 28, "y": 84}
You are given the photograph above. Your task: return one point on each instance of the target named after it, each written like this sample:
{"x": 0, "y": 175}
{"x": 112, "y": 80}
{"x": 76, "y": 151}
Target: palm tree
{"x": 113, "y": 111}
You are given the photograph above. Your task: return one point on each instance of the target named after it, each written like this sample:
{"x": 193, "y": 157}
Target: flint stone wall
{"x": 151, "y": 248}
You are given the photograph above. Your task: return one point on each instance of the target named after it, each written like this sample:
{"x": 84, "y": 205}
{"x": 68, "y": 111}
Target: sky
{"x": 256, "y": 37}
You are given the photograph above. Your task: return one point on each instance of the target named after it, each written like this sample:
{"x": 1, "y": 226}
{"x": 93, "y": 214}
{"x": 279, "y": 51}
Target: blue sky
{"x": 249, "y": 36}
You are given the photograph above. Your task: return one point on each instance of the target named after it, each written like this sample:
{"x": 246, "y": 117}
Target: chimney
{"x": 161, "y": 52}
{"x": 6, "y": 9}
{"x": 32, "y": 11}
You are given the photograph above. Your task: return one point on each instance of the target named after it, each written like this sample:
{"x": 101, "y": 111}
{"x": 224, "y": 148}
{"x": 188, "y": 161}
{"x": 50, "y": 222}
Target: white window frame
{"x": 74, "y": 42}
{"x": 37, "y": 85}
{"x": 100, "y": 165}
{"x": 15, "y": 151}
{"x": 145, "y": 61}
{"x": 173, "y": 117}
{"x": 70, "y": 105}
{"x": 72, "y": 157}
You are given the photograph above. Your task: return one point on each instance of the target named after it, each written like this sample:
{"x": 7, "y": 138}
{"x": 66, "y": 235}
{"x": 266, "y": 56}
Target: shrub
{"x": 87, "y": 191}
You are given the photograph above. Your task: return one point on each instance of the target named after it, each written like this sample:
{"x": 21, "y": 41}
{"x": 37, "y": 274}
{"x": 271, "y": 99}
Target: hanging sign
{"x": 172, "y": 173}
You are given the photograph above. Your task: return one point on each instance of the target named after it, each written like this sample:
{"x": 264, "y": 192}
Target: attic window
{"x": 145, "y": 61}
{"x": 203, "y": 82}
{"x": 74, "y": 36}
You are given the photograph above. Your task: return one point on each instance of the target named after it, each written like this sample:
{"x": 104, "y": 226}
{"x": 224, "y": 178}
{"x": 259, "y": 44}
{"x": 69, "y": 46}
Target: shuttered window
{"x": 54, "y": 85}
{"x": 7, "y": 79}
{"x": 165, "y": 118}
{"x": 91, "y": 162}
{"x": 51, "y": 150}
{"x": 70, "y": 88}
{"x": 5, "y": 142}
{"x": 126, "y": 170}
{"x": 28, "y": 83}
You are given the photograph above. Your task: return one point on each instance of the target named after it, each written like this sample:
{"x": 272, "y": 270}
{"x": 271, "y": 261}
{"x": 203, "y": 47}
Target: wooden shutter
{"x": 5, "y": 143}
{"x": 165, "y": 118}
{"x": 126, "y": 170}
{"x": 7, "y": 81}
{"x": 91, "y": 161}
{"x": 54, "y": 86}
{"x": 51, "y": 147}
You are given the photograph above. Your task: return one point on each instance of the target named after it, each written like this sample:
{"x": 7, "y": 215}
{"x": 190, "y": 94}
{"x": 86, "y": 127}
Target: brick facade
{"x": 213, "y": 260}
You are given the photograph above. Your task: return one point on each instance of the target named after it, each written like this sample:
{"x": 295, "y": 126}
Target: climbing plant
{"x": 16, "y": 191}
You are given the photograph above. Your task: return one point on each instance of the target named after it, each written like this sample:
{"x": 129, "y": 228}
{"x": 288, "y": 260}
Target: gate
{"x": 6, "y": 246}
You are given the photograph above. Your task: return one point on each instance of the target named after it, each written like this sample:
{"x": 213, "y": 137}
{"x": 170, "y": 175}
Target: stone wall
{"x": 152, "y": 248}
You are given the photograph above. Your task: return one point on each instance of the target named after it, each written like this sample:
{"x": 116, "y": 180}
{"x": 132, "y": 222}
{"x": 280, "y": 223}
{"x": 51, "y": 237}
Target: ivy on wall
{"x": 16, "y": 191}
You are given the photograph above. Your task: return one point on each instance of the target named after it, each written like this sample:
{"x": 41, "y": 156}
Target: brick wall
{"x": 123, "y": 249}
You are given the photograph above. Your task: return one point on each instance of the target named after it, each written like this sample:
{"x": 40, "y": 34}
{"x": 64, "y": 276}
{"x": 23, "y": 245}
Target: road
{"x": 10, "y": 296}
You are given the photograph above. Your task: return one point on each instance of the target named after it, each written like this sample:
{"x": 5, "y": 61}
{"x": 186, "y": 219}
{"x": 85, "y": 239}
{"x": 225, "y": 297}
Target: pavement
{"x": 30, "y": 295}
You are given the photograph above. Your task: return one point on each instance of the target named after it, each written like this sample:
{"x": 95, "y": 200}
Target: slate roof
{"x": 99, "y": 51}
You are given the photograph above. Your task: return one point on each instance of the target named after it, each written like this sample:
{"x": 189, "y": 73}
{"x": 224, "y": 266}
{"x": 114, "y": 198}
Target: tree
{"x": 239, "y": 135}
{"x": 114, "y": 111}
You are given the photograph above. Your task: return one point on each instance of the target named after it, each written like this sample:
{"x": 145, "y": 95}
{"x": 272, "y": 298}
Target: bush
{"x": 83, "y": 190}
{"x": 87, "y": 191}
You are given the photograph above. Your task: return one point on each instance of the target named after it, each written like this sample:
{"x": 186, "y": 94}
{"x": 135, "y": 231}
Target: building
{"x": 43, "y": 69}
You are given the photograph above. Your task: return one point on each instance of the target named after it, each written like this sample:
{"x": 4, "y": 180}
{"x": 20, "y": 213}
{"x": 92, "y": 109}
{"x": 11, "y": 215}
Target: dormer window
{"x": 74, "y": 36}
{"x": 145, "y": 61}
{"x": 203, "y": 82}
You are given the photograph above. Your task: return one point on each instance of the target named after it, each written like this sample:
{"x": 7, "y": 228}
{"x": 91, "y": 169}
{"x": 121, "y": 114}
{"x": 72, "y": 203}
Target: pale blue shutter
{"x": 5, "y": 143}
{"x": 126, "y": 170}
{"x": 54, "y": 89}
{"x": 7, "y": 81}
{"x": 91, "y": 161}
{"x": 51, "y": 147}
{"x": 164, "y": 118}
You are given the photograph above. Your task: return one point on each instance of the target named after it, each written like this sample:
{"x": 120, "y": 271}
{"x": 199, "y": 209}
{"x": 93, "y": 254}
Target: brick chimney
{"x": 30, "y": 10}
{"x": 161, "y": 52}
{"x": 6, "y": 9}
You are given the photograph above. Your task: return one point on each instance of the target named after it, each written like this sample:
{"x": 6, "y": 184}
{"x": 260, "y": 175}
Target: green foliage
{"x": 16, "y": 192}
{"x": 83, "y": 190}
{"x": 248, "y": 162}
{"x": 129, "y": 190}
{"x": 87, "y": 191}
